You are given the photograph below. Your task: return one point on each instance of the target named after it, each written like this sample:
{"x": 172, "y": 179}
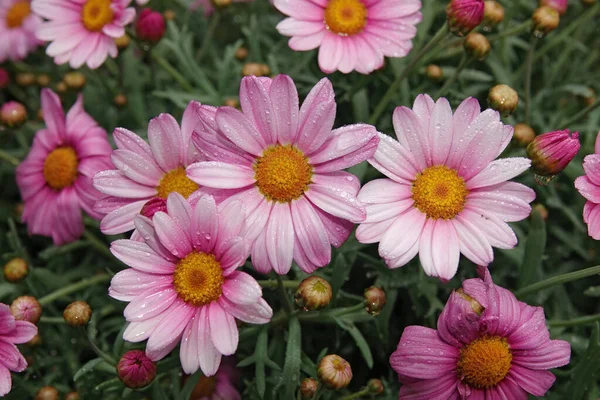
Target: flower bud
{"x": 540, "y": 209}
{"x": 232, "y": 102}
{"x": 61, "y": 88}
{"x": 150, "y": 25}
{"x": 523, "y": 134}
{"x": 35, "y": 341}
{"x": 153, "y": 206}
{"x": 241, "y": 53}
{"x": 308, "y": 388}
{"x": 503, "y": 99}
{"x": 47, "y": 393}
{"x": 590, "y": 98}
{"x": 43, "y": 80}
{"x": 169, "y": 15}
{"x": 375, "y": 298}
{"x": 72, "y": 396}
{"x": 464, "y": 15}
{"x": 334, "y": 372}
{"x": 135, "y": 369}
{"x": 120, "y": 100}
{"x": 15, "y": 270}
{"x": 313, "y": 293}
{"x": 221, "y": 3}
{"x": 26, "y": 308}
{"x": 434, "y": 72}
{"x": 551, "y": 152}
{"x": 25, "y": 79}
{"x": 477, "y": 46}
{"x": 78, "y": 313}
{"x": 558, "y": 5}
{"x": 545, "y": 20}
{"x": 13, "y": 114}
{"x": 493, "y": 13}
{"x": 255, "y": 69}
{"x": 4, "y": 78}
{"x": 375, "y": 386}
{"x": 40, "y": 116}
{"x": 123, "y": 41}
{"x": 75, "y": 80}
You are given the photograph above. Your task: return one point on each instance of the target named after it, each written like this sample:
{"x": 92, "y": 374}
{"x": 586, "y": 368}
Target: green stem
{"x": 9, "y": 159}
{"x": 210, "y": 32}
{"x": 356, "y": 395}
{"x": 463, "y": 64}
{"x": 438, "y": 37}
{"x": 97, "y": 244}
{"x": 106, "y": 357}
{"x": 74, "y": 287}
{"x": 528, "y": 72}
{"x": 52, "y": 320}
{"x": 172, "y": 71}
{"x": 318, "y": 393}
{"x": 273, "y": 284}
{"x": 582, "y": 114}
{"x": 575, "y": 321}
{"x": 326, "y": 316}
{"x": 523, "y": 27}
{"x": 289, "y": 307}
{"x": 557, "y": 280}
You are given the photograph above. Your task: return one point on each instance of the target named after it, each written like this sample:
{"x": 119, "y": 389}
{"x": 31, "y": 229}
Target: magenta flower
{"x": 487, "y": 345}
{"x": 12, "y": 332}
{"x": 55, "y": 180}
{"x": 551, "y": 152}
{"x": 589, "y": 187}
{"x": 17, "y": 30}
{"x": 135, "y": 369}
{"x": 82, "y": 31}
{"x": 464, "y": 15}
{"x": 183, "y": 285}
{"x": 221, "y": 386}
{"x": 558, "y": 5}
{"x": 351, "y": 34}
{"x": 446, "y": 193}
{"x": 150, "y": 25}
{"x": 286, "y": 166}
{"x": 144, "y": 172}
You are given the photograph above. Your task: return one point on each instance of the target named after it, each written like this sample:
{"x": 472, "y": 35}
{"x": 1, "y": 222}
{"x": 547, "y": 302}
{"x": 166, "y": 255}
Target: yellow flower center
{"x": 345, "y": 17}
{"x": 198, "y": 279}
{"x": 17, "y": 14}
{"x": 439, "y": 192}
{"x": 484, "y": 362}
{"x": 96, "y": 14}
{"x": 205, "y": 387}
{"x": 60, "y": 168}
{"x": 282, "y": 173}
{"x": 176, "y": 181}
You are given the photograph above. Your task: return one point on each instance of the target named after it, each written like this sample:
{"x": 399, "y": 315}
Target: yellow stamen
{"x": 96, "y": 14}
{"x": 60, "y": 168}
{"x": 198, "y": 279}
{"x": 17, "y": 14}
{"x": 176, "y": 181}
{"x": 484, "y": 362}
{"x": 345, "y": 17}
{"x": 439, "y": 192}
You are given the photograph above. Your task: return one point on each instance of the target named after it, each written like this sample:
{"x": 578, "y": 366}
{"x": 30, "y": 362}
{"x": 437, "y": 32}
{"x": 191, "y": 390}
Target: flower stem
{"x": 463, "y": 64}
{"x": 356, "y": 395}
{"x": 8, "y": 158}
{"x": 97, "y": 244}
{"x": 575, "y": 321}
{"x": 106, "y": 357}
{"x": 528, "y": 72}
{"x": 557, "y": 280}
{"x": 582, "y": 113}
{"x": 289, "y": 307}
{"x": 210, "y": 32}
{"x": 52, "y": 320}
{"x": 329, "y": 315}
{"x": 172, "y": 71}
{"x": 522, "y": 27}
{"x": 74, "y": 287}
{"x": 273, "y": 284}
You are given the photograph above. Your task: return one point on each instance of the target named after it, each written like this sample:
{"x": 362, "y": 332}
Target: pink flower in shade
{"x": 221, "y": 386}
{"x": 551, "y": 152}
{"x": 183, "y": 285}
{"x": 146, "y": 171}
{"x": 351, "y": 34}
{"x": 487, "y": 345}
{"x": 82, "y": 31}
{"x": 589, "y": 187}
{"x": 464, "y": 15}
{"x": 17, "y": 29}
{"x": 135, "y": 369}
{"x": 55, "y": 179}
{"x": 446, "y": 193}
{"x": 12, "y": 332}
{"x": 208, "y": 7}
{"x": 558, "y": 5}
{"x": 286, "y": 165}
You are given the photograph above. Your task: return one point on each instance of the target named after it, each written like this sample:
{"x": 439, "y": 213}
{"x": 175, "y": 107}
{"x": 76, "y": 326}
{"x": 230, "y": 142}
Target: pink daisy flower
{"x": 589, "y": 187}
{"x": 17, "y": 29}
{"x": 55, "y": 179}
{"x": 286, "y": 164}
{"x": 183, "y": 285}
{"x": 208, "y": 7}
{"x": 12, "y": 332}
{"x": 146, "y": 171}
{"x": 221, "y": 386}
{"x": 488, "y": 345}
{"x": 82, "y": 31}
{"x": 351, "y": 34}
{"x": 446, "y": 193}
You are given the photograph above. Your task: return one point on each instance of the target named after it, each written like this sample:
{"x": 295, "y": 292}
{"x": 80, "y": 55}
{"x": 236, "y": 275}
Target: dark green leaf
{"x": 293, "y": 358}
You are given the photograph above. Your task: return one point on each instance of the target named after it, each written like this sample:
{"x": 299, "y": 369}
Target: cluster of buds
{"x": 150, "y": 26}
{"x": 313, "y": 293}
{"x": 503, "y": 99}
{"x": 77, "y": 313}
{"x": 551, "y": 152}
{"x": 135, "y": 369}
{"x": 464, "y": 15}
{"x": 477, "y": 45}
{"x": 13, "y": 114}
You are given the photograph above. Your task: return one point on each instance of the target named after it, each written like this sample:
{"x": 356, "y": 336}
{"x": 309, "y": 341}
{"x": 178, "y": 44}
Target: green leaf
{"x": 260, "y": 354}
{"x": 592, "y": 291}
{"x": 585, "y": 374}
{"x": 534, "y": 249}
{"x": 189, "y": 386}
{"x": 293, "y": 358}
{"x": 359, "y": 339}
{"x": 341, "y": 270}
{"x": 87, "y": 367}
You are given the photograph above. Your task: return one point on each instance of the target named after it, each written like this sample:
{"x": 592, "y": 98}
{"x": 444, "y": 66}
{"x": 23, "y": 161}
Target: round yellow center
{"x": 345, "y": 17}
{"x": 17, "y": 14}
{"x": 282, "y": 173}
{"x": 60, "y": 168}
{"x": 96, "y": 14}
{"x": 176, "y": 181}
{"x": 439, "y": 192}
{"x": 205, "y": 387}
{"x": 484, "y": 362}
{"x": 198, "y": 279}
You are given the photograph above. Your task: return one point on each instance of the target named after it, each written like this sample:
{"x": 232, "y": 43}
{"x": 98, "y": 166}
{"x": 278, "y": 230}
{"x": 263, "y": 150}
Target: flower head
{"x": 551, "y": 152}
{"x": 285, "y": 164}
{"x": 17, "y": 29}
{"x": 334, "y": 371}
{"x": 135, "y": 369}
{"x": 13, "y": 114}
{"x": 351, "y": 34}
{"x": 150, "y": 25}
{"x": 313, "y": 293}
{"x": 589, "y": 187}
{"x": 55, "y": 179}
{"x": 446, "y": 193}
{"x": 558, "y": 5}
{"x": 221, "y": 386}
{"x": 464, "y": 15}
{"x": 487, "y": 344}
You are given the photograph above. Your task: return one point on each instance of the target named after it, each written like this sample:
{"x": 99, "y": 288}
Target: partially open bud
{"x": 540, "y": 209}
{"x": 75, "y": 80}
{"x": 169, "y": 15}
{"x": 123, "y": 41}
{"x": 551, "y": 152}
{"x": 241, "y": 53}
{"x": 15, "y": 270}
{"x": 434, "y": 72}
{"x": 120, "y": 100}
{"x": 477, "y": 45}
{"x": 43, "y": 80}
{"x": 78, "y": 313}
{"x": 153, "y": 206}
{"x": 523, "y": 134}
{"x": 256, "y": 69}
{"x": 464, "y": 15}
{"x": 26, "y": 308}
{"x": 150, "y": 25}
{"x": 25, "y": 79}
{"x": 47, "y": 393}
{"x": 334, "y": 372}
{"x": 545, "y": 20}
{"x": 375, "y": 298}
{"x": 135, "y": 369}
{"x": 503, "y": 99}
{"x": 72, "y": 396}
{"x": 493, "y": 13}
{"x": 558, "y": 5}
{"x": 313, "y": 293}
{"x": 375, "y": 386}
{"x": 4, "y": 78}
{"x": 13, "y": 114}
{"x": 308, "y": 388}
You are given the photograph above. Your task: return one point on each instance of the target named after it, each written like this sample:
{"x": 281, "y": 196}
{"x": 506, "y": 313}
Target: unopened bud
{"x": 545, "y": 20}
{"x": 26, "y": 308}
{"x": 120, "y": 100}
{"x": 47, "y": 393}
{"x": 122, "y": 41}
{"x": 313, "y": 293}
{"x": 334, "y": 372}
{"x": 464, "y": 15}
{"x": 221, "y": 3}
{"x": 241, "y": 53}
{"x": 15, "y": 270}
{"x": 493, "y": 13}
{"x": 477, "y": 45}
{"x": 551, "y": 152}
{"x": 75, "y": 80}
{"x": 61, "y": 88}
{"x": 135, "y": 369}
{"x": 255, "y": 69}
{"x": 308, "y": 388}
{"x": 434, "y": 72}
{"x": 72, "y": 396}
{"x": 44, "y": 80}
{"x": 558, "y": 5}
{"x": 375, "y": 386}
{"x": 13, "y": 114}
{"x": 523, "y": 134}
{"x": 375, "y": 298}
{"x": 153, "y": 206}
{"x": 78, "y": 313}
{"x": 232, "y": 102}
{"x": 150, "y": 25}
{"x": 25, "y": 79}
{"x": 503, "y": 99}
{"x": 4, "y": 78}
{"x": 169, "y": 15}
{"x": 540, "y": 209}
{"x": 35, "y": 341}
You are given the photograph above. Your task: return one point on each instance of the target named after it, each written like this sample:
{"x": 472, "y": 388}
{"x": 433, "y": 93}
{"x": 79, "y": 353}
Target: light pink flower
{"x": 589, "y": 187}
{"x": 12, "y": 332}
{"x": 221, "y": 386}
{"x": 17, "y": 29}
{"x": 487, "y": 345}
{"x": 446, "y": 193}
{"x": 351, "y": 34}
{"x": 286, "y": 164}
{"x": 208, "y": 6}
{"x": 144, "y": 171}
{"x": 82, "y": 31}
{"x": 183, "y": 284}
{"x": 55, "y": 179}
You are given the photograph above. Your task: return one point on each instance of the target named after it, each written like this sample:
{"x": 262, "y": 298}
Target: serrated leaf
{"x": 87, "y": 367}
{"x": 359, "y": 339}
{"x": 585, "y": 374}
{"x": 293, "y": 359}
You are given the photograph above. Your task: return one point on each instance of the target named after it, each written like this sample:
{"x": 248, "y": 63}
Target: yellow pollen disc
{"x": 176, "y": 181}
{"x": 60, "y": 168}
{"x": 17, "y": 14}
{"x": 345, "y": 17}
{"x": 282, "y": 173}
{"x": 198, "y": 279}
{"x": 439, "y": 192}
{"x": 96, "y": 14}
{"x": 484, "y": 362}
